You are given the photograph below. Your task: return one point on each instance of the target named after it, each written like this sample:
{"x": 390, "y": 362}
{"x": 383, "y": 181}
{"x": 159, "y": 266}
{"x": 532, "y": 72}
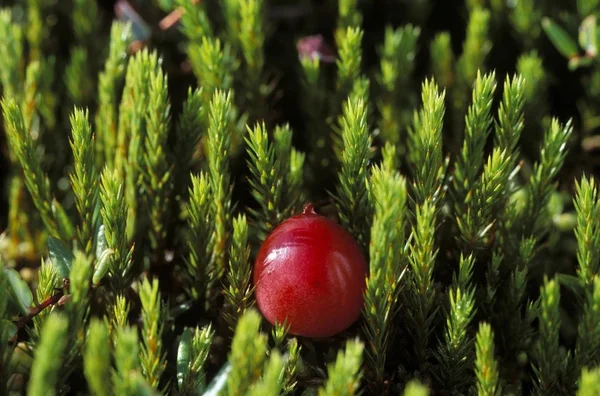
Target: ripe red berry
{"x": 312, "y": 272}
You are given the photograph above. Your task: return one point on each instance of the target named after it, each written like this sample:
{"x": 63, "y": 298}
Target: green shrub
{"x": 147, "y": 154}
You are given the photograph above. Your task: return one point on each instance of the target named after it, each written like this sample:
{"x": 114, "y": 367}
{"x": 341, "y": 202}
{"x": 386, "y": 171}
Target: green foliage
{"x": 487, "y": 199}
{"x": 115, "y": 220}
{"x": 475, "y": 48}
{"x": 386, "y": 265}
{"x": 220, "y": 130}
{"x": 442, "y": 59}
{"x": 530, "y": 67}
{"x": 126, "y": 375}
{"x": 269, "y": 164}
{"x": 550, "y": 360}
{"x": 421, "y": 295}
{"x": 349, "y": 60}
{"x": 588, "y": 331}
{"x": 564, "y": 44}
{"x": 477, "y": 128}
{"x": 213, "y": 64}
{"x": 352, "y": 195}
{"x": 510, "y": 115}
{"x": 84, "y": 178}
{"x": 589, "y": 384}
{"x": 11, "y": 55}
{"x": 79, "y": 75}
{"x": 190, "y": 128}
{"x": 525, "y": 18}
{"x": 200, "y": 275}
{"x": 22, "y": 144}
{"x": 344, "y": 374}
{"x": 291, "y": 368}
{"x": 192, "y": 353}
{"x": 157, "y": 174}
{"x": 44, "y": 372}
{"x": 80, "y": 280}
{"x": 397, "y": 66}
{"x": 247, "y": 354}
{"x": 152, "y": 357}
{"x": 425, "y": 145}
{"x": 486, "y": 366}
{"x": 194, "y": 21}
{"x": 6, "y": 330}
{"x": 541, "y": 185}
{"x": 252, "y": 38}
{"x": 270, "y": 383}
{"x": 109, "y": 82}
{"x": 85, "y": 21}
{"x": 117, "y": 315}
{"x": 139, "y": 177}
{"x": 96, "y": 359}
{"x": 455, "y": 354}
{"x": 587, "y": 206}
{"x": 479, "y": 196}
{"x": 414, "y": 388}
{"x": 588, "y": 340}
{"x": 349, "y": 14}
{"x": 48, "y": 281}
{"x": 238, "y": 294}
{"x": 78, "y": 84}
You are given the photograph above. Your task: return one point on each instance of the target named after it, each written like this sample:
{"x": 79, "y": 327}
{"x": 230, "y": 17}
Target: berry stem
{"x": 309, "y": 209}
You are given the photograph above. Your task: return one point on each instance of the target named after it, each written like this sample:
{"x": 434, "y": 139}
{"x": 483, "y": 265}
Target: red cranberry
{"x": 311, "y": 272}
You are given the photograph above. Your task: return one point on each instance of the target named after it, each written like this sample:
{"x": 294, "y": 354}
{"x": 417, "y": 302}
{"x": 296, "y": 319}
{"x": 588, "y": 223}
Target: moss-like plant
{"x": 146, "y": 153}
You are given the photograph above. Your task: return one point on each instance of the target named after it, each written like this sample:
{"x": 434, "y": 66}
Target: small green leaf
{"x": 184, "y": 356}
{"x": 61, "y": 256}
{"x": 218, "y": 383}
{"x": 101, "y": 243}
{"x": 560, "y": 38}
{"x": 588, "y": 36}
{"x": 19, "y": 290}
{"x": 103, "y": 256}
{"x": 102, "y": 265}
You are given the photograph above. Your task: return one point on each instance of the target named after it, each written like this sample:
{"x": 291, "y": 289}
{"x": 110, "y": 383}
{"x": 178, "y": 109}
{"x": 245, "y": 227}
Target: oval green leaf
{"x": 19, "y": 290}
{"x": 183, "y": 356}
{"x": 61, "y": 256}
{"x": 101, "y": 244}
{"x": 102, "y": 266}
{"x": 588, "y": 36}
{"x": 560, "y": 38}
